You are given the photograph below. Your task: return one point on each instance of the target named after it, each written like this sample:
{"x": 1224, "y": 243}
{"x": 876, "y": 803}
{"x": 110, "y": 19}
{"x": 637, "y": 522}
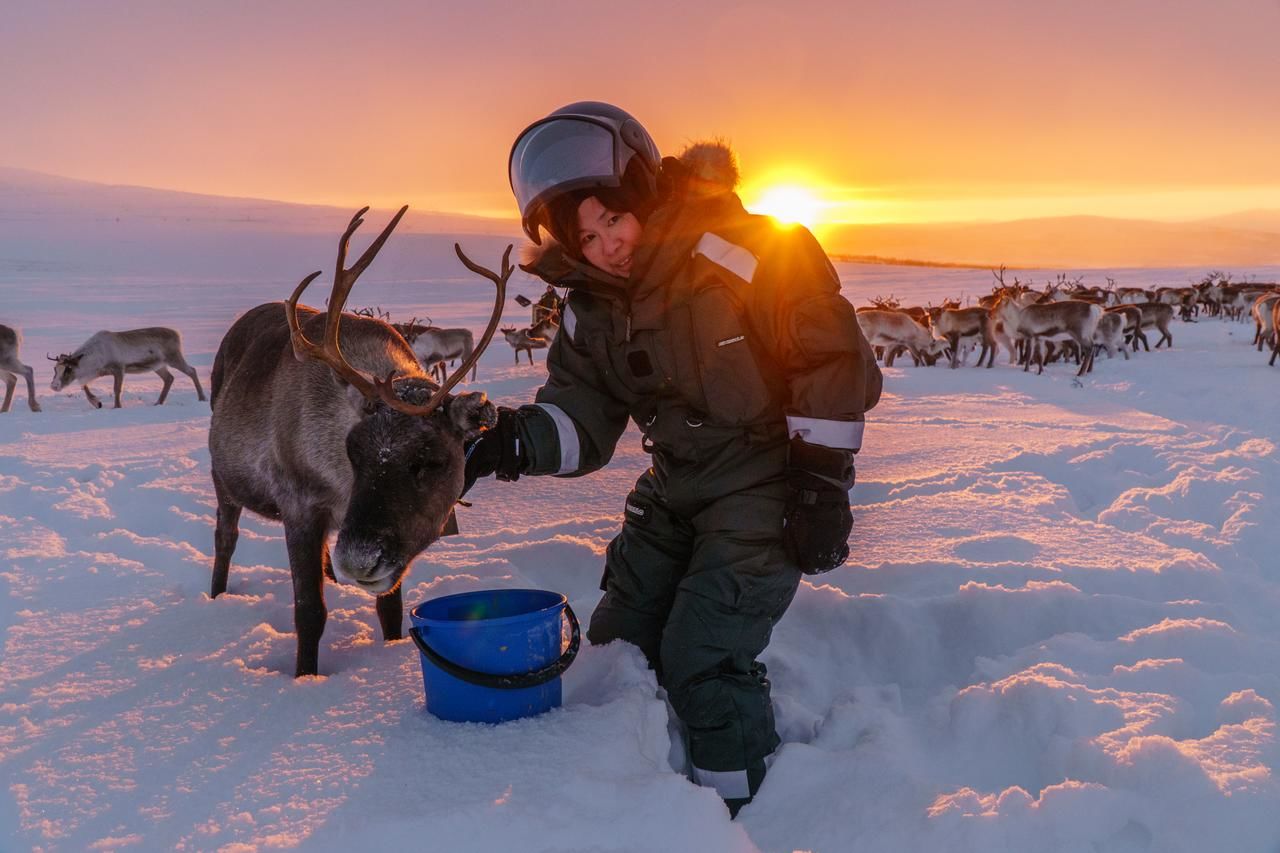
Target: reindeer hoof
{"x": 35, "y": 407}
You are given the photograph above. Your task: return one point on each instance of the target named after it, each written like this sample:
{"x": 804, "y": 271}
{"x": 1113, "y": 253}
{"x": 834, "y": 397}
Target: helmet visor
{"x": 563, "y": 153}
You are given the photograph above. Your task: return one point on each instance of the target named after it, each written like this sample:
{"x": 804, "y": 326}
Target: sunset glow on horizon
{"x": 789, "y": 204}
{"x": 950, "y": 114}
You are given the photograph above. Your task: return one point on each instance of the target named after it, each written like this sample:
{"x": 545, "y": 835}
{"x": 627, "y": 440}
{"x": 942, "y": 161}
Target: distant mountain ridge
{"x": 63, "y": 226}
{"x": 1071, "y": 241}
{"x": 67, "y": 216}
{"x": 27, "y": 195}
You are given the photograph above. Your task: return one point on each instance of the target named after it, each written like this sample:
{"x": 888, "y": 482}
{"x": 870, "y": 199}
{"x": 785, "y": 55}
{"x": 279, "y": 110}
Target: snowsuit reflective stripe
{"x": 728, "y": 329}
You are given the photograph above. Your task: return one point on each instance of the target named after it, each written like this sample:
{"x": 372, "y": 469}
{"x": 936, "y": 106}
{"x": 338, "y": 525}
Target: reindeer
{"x": 1133, "y": 334}
{"x": 1238, "y": 299}
{"x": 1263, "y": 317}
{"x": 1133, "y": 295}
{"x": 1275, "y": 337}
{"x": 11, "y": 367}
{"x": 954, "y": 324}
{"x": 348, "y": 434}
{"x": 434, "y": 346}
{"x": 117, "y": 353}
{"x": 1109, "y": 335}
{"x": 1076, "y": 321}
{"x": 538, "y": 336}
{"x": 522, "y": 341}
{"x": 894, "y": 330}
{"x": 1159, "y": 315}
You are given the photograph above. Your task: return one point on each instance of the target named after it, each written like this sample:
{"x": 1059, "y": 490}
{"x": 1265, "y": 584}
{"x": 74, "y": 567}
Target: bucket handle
{"x": 518, "y": 681}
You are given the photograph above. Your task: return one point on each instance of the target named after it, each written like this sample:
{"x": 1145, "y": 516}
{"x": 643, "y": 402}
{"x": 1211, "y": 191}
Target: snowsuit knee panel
{"x": 643, "y": 567}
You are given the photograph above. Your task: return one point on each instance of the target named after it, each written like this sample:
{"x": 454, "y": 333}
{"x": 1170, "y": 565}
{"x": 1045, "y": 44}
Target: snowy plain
{"x": 1059, "y": 629}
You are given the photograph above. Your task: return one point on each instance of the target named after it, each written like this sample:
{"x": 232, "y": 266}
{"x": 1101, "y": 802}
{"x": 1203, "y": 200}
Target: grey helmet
{"x": 579, "y": 146}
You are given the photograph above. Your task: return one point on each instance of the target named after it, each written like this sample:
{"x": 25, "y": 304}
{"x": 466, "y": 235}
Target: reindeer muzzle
{"x": 367, "y": 565}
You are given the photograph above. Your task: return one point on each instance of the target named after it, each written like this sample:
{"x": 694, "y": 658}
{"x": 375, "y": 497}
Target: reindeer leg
{"x": 953, "y": 341}
{"x": 93, "y": 401}
{"x": 31, "y": 388}
{"x": 181, "y": 364}
{"x": 225, "y": 536}
{"x": 1086, "y": 357}
{"x": 117, "y": 376}
{"x": 390, "y": 607}
{"x": 10, "y": 382}
{"x": 165, "y": 375}
{"x": 305, "y": 541}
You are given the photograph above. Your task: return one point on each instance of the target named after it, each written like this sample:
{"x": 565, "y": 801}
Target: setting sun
{"x": 789, "y": 203}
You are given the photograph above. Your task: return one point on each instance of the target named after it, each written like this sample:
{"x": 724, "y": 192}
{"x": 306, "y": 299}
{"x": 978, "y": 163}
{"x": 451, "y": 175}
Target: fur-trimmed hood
{"x": 704, "y": 168}
{"x": 711, "y": 167}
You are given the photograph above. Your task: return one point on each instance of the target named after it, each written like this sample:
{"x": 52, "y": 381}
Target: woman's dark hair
{"x": 632, "y": 197}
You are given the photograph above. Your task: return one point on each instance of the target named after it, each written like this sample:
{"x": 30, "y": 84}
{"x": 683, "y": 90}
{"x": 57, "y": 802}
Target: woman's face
{"x": 607, "y": 239}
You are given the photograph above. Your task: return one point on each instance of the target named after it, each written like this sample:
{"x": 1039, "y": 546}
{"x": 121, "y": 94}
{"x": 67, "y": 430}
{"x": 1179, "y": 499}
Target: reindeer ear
{"x": 471, "y": 413}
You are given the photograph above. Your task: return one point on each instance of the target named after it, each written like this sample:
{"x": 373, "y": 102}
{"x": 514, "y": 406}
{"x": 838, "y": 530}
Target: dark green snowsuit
{"x": 729, "y": 337}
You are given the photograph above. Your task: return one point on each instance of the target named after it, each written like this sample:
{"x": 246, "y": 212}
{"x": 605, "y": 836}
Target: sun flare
{"x": 789, "y": 203}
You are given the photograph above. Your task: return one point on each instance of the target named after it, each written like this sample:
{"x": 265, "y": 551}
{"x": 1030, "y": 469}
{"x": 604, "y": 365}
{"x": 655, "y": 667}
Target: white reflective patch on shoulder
{"x": 845, "y": 435}
{"x": 731, "y": 256}
{"x": 568, "y": 322}
{"x": 567, "y": 432}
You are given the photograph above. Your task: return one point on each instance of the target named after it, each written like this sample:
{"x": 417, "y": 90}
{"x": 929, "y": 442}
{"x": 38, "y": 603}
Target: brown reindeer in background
{"x": 347, "y": 434}
{"x": 11, "y": 367}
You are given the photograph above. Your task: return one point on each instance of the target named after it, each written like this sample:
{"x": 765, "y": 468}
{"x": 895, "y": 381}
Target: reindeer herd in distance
{"x": 1064, "y": 320}
{"x": 157, "y": 349}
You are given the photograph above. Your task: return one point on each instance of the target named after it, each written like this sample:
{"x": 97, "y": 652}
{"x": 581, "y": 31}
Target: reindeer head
{"x": 64, "y": 370}
{"x": 407, "y": 475}
{"x": 932, "y": 351}
{"x": 407, "y": 447}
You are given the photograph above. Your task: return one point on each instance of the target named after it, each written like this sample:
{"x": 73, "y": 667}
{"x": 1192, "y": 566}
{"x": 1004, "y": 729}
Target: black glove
{"x": 496, "y": 451}
{"x": 818, "y": 521}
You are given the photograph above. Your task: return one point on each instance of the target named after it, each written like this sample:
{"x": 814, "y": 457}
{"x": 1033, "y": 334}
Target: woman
{"x": 726, "y": 340}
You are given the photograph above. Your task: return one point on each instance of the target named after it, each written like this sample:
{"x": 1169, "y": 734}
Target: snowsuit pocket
{"x": 736, "y": 391}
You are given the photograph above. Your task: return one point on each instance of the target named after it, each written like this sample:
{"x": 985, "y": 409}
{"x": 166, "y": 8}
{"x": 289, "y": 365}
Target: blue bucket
{"x": 493, "y": 655}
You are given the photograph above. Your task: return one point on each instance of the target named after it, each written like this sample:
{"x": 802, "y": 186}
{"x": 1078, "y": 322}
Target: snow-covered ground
{"x": 1059, "y": 630}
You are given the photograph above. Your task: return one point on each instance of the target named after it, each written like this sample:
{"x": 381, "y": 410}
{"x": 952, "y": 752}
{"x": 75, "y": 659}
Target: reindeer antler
{"x": 329, "y": 352}
{"x": 500, "y": 297}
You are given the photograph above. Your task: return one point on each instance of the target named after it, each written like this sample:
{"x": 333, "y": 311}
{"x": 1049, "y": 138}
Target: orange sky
{"x": 916, "y": 110}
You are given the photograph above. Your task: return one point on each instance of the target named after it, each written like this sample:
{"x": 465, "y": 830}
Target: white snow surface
{"x": 1058, "y": 630}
